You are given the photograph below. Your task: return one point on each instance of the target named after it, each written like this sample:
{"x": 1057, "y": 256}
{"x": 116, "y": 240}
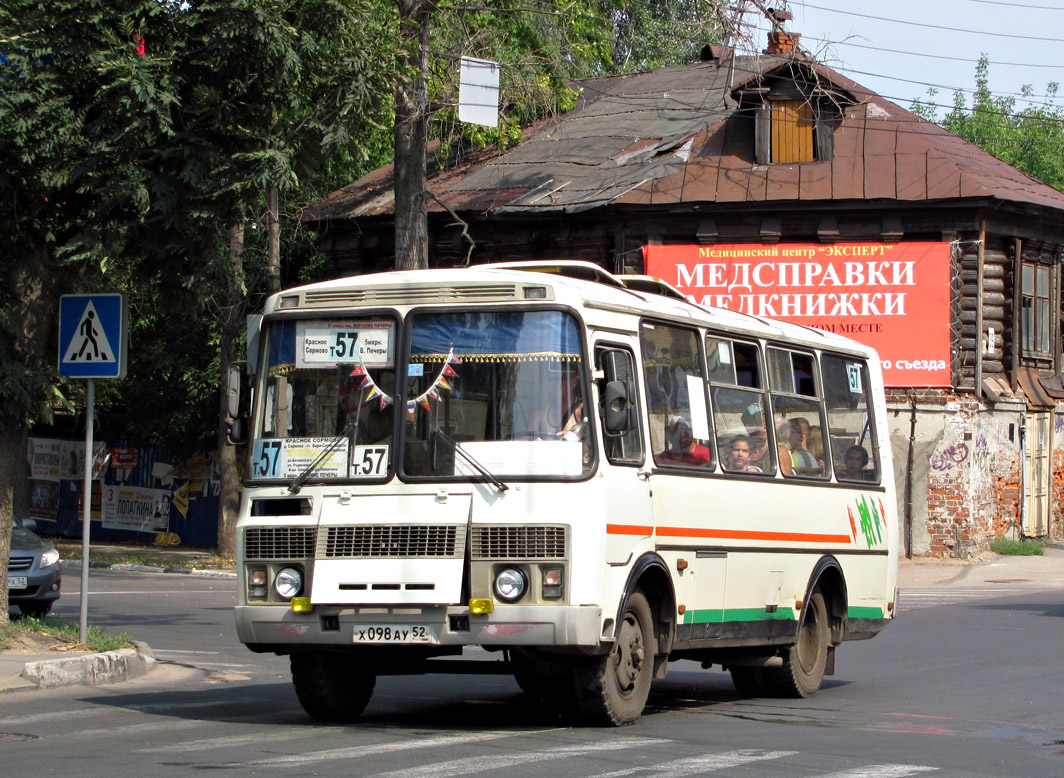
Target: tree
{"x": 139, "y": 132}
{"x": 540, "y": 43}
{"x": 1031, "y": 139}
{"x": 72, "y": 180}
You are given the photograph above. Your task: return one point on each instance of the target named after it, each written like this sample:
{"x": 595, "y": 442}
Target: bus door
{"x": 629, "y": 514}
{"x": 685, "y": 494}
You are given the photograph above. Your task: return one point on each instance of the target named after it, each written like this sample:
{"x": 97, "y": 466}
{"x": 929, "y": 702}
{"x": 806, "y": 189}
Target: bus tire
{"x": 612, "y": 690}
{"x": 749, "y": 681}
{"x": 330, "y": 686}
{"x": 805, "y": 662}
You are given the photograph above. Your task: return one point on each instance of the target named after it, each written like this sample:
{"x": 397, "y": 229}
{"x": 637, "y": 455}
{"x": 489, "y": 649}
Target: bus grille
{"x": 385, "y": 541}
{"x": 278, "y": 542}
{"x": 412, "y": 294}
{"x": 519, "y": 543}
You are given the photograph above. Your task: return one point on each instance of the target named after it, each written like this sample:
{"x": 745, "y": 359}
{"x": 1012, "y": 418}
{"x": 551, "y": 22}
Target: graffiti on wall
{"x": 950, "y": 457}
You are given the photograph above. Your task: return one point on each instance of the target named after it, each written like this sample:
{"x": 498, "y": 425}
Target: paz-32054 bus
{"x": 584, "y": 475}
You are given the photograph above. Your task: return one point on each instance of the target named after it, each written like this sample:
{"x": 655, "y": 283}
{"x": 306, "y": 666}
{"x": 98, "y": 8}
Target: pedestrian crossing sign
{"x": 92, "y": 335}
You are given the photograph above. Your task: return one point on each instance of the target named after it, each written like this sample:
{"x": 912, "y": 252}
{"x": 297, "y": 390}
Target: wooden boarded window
{"x": 792, "y": 131}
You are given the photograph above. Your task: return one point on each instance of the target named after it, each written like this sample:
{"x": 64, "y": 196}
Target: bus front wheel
{"x": 613, "y": 689}
{"x": 331, "y": 686}
{"x": 805, "y": 662}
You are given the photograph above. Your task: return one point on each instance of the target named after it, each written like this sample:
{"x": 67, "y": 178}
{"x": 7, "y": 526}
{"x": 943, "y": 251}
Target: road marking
{"x": 915, "y": 599}
{"x": 478, "y": 764}
{"x": 208, "y": 744}
{"x": 698, "y": 765}
{"x": 881, "y": 771}
{"x": 378, "y": 748}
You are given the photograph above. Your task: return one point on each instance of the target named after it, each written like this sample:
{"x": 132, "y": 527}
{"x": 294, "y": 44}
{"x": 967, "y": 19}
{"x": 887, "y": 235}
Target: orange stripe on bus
{"x": 628, "y": 529}
{"x": 741, "y": 534}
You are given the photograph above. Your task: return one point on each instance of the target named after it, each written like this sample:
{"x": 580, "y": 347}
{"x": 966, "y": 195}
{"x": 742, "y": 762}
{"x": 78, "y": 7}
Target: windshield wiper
{"x": 491, "y": 477}
{"x": 297, "y": 484}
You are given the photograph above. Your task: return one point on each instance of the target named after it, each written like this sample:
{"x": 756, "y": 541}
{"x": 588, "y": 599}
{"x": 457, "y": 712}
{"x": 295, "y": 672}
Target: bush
{"x": 1023, "y": 547}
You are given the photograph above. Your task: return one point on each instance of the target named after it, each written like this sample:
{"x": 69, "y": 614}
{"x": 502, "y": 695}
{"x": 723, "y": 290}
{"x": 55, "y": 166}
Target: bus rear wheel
{"x": 612, "y": 690}
{"x": 805, "y": 662}
{"x": 331, "y": 686}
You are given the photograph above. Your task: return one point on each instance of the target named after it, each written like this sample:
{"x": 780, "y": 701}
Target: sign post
{"x": 92, "y": 344}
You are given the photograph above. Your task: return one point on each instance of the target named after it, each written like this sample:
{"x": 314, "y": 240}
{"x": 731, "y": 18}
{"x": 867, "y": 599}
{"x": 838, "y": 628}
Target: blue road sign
{"x": 92, "y": 335}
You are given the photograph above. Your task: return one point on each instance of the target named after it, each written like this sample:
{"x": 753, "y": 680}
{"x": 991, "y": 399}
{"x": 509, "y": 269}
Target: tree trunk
{"x": 232, "y": 319}
{"x": 273, "y": 233}
{"x": 411, "y": 139}
{"x": 35, "y": 283}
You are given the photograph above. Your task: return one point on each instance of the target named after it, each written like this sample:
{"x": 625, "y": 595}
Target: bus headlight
{"x": 511, "y": 583}
{"x": 288, "y": 583}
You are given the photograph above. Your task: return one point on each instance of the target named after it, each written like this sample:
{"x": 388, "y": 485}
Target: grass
{"x": 1023, "y": 547}
{"x": 63, "y": 631}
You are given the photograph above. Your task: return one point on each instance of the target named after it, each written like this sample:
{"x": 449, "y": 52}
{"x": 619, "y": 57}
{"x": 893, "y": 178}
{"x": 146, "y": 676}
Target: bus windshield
{"x": 328, "y": 399}
{"x": 507, "y": 387}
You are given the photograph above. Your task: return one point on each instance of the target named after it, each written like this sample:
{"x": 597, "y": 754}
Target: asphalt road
{"x": 966, "y": 683}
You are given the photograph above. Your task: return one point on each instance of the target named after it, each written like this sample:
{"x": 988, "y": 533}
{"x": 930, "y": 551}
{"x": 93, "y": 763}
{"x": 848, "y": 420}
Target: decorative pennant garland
{"x": 440, "y": 382}
{"x": 433, "y": 392}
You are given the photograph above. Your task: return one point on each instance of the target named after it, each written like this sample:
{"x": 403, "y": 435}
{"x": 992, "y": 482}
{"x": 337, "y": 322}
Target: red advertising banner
{"x": 891, "y": 296}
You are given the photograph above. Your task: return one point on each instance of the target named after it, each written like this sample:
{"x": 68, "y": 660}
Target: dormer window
{"x": 795, "y": 115}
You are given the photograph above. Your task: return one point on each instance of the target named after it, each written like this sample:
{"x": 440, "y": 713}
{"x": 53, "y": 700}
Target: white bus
{"x": 564, "y": 475}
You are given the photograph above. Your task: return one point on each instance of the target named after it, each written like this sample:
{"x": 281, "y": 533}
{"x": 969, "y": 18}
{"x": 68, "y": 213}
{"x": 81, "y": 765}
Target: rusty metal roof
{"x": 677, "y": 135}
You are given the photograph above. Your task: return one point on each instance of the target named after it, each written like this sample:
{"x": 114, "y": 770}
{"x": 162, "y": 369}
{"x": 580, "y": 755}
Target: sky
{"x": 901, "y": 48}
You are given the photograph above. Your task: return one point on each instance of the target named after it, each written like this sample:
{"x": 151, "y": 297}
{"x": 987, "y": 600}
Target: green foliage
{"x": 96, "y": 639}
{"x": 651, "y": 34}
{"x": 1031, "y": 139}
{"x": 1021, "y": 547}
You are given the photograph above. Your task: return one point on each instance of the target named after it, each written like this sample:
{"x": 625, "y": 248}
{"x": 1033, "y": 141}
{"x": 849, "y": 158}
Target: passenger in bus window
{"x": 816, "y": 445}
{"x": 683, "y": 448}
{"x": 798, "y": 441}
{"x": 855, "y": 462}
{"x": 757, "y": 433}
{"x": 739, "y": 458}
{"x": 561, "y": 412}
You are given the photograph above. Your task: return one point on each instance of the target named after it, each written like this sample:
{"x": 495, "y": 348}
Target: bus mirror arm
{"x": 617, "y": 408}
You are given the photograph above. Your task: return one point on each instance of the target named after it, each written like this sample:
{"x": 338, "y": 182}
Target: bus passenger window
{"x": 799, "y": 413}
{"x": 850, "y": 427}
{"x": 740, "y": 412}
{"x": 676, "y": 396}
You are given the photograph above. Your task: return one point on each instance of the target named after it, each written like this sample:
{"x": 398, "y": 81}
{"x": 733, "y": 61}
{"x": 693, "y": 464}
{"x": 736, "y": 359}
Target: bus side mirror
{"x": 615, "y": 401}
{"x": 235, "y": 421}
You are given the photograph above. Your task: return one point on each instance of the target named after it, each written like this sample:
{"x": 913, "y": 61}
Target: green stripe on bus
{"x": 864, "y": 613}
{"x": 717, "y": 616}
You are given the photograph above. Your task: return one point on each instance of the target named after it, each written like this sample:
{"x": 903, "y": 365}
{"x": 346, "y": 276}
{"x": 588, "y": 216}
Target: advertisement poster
{"x": 894, "y": 297}
{"x": 45, "y": 455}
{"x": 52, "y": 459}
{"x": 136, "y": 508}
{"x": 44, "y": 499}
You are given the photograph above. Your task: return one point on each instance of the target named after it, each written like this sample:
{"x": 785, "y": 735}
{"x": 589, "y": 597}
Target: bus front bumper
{"x": 278, "y": 628}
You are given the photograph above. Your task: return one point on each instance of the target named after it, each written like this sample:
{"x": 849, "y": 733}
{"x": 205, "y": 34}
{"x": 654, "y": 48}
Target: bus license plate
{"x": 17, "y": 582}
{"x": 394, "y": 634}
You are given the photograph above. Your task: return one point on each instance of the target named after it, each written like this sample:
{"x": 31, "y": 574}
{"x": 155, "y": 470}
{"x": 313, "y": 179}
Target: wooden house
{"x": 777, "y": 186}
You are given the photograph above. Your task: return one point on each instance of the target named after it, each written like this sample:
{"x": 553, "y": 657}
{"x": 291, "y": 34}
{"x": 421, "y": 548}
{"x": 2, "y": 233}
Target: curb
{"x": 75, "y": 564}
{"x": 91, "y": 669}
